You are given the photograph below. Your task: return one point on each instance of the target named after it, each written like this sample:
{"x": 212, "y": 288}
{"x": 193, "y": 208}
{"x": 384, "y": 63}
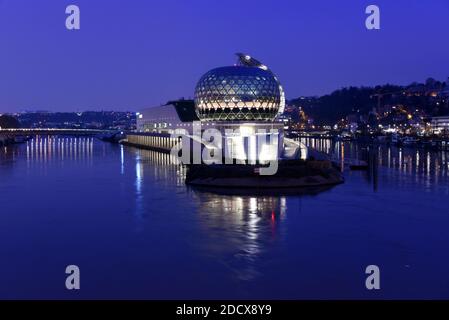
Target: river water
{"x": 125, "y": 217}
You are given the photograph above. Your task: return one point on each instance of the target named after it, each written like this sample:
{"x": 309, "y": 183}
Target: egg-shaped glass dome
{"x": 237, "y": 93}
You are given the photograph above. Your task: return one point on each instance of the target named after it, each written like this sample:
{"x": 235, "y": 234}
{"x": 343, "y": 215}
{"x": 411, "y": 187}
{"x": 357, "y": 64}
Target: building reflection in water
{"x": 246, "y": 227}
{"x": 238, "y": 228}
{"x": 165, "y": 168}
{"x": 44, "y": 149}
{"x": 245, "y": 224}
{"x": 41, "y": 150}
{"x": 122, "y": 159}
{"x": 154, "y": 166}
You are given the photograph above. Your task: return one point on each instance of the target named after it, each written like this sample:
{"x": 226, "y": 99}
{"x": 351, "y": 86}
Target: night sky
{"x": 135, "y": 53}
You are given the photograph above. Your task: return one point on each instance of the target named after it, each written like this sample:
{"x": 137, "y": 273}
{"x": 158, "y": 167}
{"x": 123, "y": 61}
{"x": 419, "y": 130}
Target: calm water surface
{"x": 125, "y": 217}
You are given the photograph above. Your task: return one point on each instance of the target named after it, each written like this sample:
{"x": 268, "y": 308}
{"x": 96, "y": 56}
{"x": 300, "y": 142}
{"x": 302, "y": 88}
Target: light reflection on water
{"x": 50, "y": 148}
{"x": 246, "y": 225}
{"x": 166, "y": 240}
{"x": 426, "y": 166}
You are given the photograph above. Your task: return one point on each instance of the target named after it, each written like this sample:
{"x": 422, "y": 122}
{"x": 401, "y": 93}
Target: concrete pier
{"x": 162, "y": 142}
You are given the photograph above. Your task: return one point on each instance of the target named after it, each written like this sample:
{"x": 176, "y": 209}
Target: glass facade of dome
{"x": 238, "y": 93}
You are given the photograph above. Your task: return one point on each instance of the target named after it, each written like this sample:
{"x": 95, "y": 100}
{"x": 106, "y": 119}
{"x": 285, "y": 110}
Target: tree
{"x": 8, "y": 122}
{"x": 430, "y": 83}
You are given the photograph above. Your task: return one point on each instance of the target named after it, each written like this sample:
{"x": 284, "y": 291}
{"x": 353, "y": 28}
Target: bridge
{"x": 52, "y": 131}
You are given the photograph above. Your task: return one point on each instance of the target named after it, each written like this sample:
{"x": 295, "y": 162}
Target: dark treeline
{"x": 8, "y": 122}
{"x": 430, "y": 97}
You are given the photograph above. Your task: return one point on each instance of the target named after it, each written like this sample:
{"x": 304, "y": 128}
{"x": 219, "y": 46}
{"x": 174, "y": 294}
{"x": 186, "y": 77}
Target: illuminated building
{"x": 237, "y": 93}
{"x": 440, "y": 124}
{"x": 242, "y": 102}
{"x": 167, "y": 118}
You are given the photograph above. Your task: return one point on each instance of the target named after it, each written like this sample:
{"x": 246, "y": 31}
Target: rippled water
{"x": 125, "y": 217}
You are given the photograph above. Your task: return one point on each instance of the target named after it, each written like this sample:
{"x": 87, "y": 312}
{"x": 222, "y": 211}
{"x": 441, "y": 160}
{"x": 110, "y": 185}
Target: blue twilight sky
{"x": 131, "y": 54}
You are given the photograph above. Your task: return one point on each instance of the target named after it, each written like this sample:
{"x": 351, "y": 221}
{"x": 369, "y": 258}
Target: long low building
{"x": 167, "y": 118}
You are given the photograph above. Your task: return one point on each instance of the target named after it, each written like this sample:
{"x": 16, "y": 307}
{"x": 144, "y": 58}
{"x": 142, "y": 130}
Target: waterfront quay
{"x": 161, "y": 142}
{"x": 434, "y": 142}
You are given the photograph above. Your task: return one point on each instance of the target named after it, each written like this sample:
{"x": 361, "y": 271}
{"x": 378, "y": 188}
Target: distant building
{"x": 440, "y": 124}
{"x": 383, "y": 110}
